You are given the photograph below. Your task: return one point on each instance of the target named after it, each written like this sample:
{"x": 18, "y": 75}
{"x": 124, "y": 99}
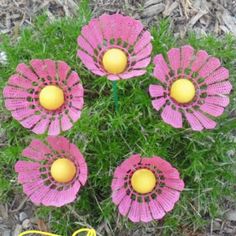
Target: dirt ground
{"x": 201, "y": 16}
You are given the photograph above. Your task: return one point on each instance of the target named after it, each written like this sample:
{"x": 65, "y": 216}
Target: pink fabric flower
{"x": 34, "y": 175}
{"x": 150, "y": 206}
{"x": 115, "y": 31}
{"x": 22, "y": 96}
{"x": 210, "y": 80}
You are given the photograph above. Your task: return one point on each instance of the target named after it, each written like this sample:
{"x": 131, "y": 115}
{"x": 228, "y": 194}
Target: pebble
{"x": 22, "y": 216}
{"x": 231, "y": 215}
{"x": 7, "y": 232}
{"x": 26, "y": 224}
{"x": 17, "y": 230}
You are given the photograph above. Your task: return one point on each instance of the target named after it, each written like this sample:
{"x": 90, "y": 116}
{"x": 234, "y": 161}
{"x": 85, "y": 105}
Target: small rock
{"x": 7, "y": 232}
{"x": 22, "y": 216}
{"x": 216, "y": 226}
{"x": 17, "y": 230}
{"x": 231, "y": 215}
{"x": 26, "y": 224}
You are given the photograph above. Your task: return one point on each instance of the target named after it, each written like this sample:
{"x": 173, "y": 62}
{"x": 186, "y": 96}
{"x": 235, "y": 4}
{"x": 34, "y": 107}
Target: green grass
{"x": 106, "y": 138}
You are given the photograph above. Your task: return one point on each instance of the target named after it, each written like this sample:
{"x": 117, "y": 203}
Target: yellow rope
{"x": 90, "y": 232}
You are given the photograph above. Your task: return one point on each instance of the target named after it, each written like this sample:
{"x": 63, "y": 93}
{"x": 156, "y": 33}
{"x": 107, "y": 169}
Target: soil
{"x": 201, "y": 16}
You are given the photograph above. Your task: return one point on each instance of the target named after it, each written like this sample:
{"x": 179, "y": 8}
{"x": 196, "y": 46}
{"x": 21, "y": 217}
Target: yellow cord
{"x": 90, "y": 232}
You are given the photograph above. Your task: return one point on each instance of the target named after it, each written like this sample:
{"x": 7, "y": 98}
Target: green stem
{"x": 115, "y": 94}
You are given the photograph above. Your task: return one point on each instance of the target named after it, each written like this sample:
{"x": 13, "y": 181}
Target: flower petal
{"x": 218, "y": 100}
{"x": 161, "y": 70}
{"x": 217, "y": 76}
{"x": 177, "y": 184}
{"x": 174, "y": 59}
{"x": 212, "y": 109}
{"x": 125, "y": 205}
{"x": 134, "y": 212}
{"x": 156, "y": 210}
{"x": 172, "y": 117}
{"x": 220, "y": 88}
{"x": 186, "y": 56}
{"x": 205, "y": 121}
{"x": 193, "y": 121}
{"x": 156, "y": 90}
{"x": 117, "y": 196}
{"x": 201, "y": 58}
{"x": 158, "y": 103}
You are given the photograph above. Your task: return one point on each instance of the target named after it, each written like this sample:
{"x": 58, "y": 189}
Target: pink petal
{"x": 142, "y": 64}
{"x": 39, "y": 67}
{"x": 50, "y": 199}
{"x": 21, "y": 114}
{"x": 174, "y": 59}
{"x": 146, "y": 52}
{"x": 113, "y": 77}
{"x": 201, "y": 58}
{"x": 218, "y": 100}
{"x": 156, "y": 210}
{"x": 27, "y": 72}
{"x": 172, "y": 117}
{"x": 205, "y": 121}
{"x": 125, "y": 205}
{"x": 13, "y": 104}
{"x": 89, "y": 63}
{"x": 88, "y": 35}
{"x": 77, "y": 102}
{"x": 65, "y": 123}
{"x": 145, "y": 213}
{"x": 120, "y": 173}
{"x": 117, "y": 183}
{"x": 73, "y": 78}
{"x": 212, "y": 109}
{"x": 135, "y": 31}
{"x": 168, "y": 198}
{"x": 74, "y": 114}
{"x": 68, "y": 196}
{"x": 131, "y": 74}
{"x": 77, "y": 90}
{"x": 161, "y": 70}
{"x": 96, "y": 31}
{"x": 106, "y": 26}
{"x": 193, "y": 121}
{"x": 29, "y": 176}
{"x": 158, "y": 103}
{"x": 119, "y": 31}
{"x": 59, "y": 143}
{"x": 63, "y": 70}
{"x": 170, "y": 172}
{"x": 23, "y": 166}
{"x": 156, "y": 90}
{"x": 19, "y": 81}
{"x": 142, "y": 42}
{"x": 83, "y": 44}
{"x": 13, "y": 92}
{"x": 41, "y": 126}
{"x": 51, "y": 68}
{"x": 54, "y": 127}
{"x": 217, "y": 76}
{"x": 135, "y": 212}
{"x": 220, "y": 88}
{"x": 39, "y": 194}
{"x": 211, "y": 65}
{"x": 30, "y": 188}
{"x": 129, "y": 163}
{"x": 186, "y": 56}
{"x": 33, "y": 154}
{"x": 177, "y": 184}
{"x": 40, "y": 146}
{"x": 117, "y": 196}
{"x": 158, "y": 162}
{"x": 30, "y": 121}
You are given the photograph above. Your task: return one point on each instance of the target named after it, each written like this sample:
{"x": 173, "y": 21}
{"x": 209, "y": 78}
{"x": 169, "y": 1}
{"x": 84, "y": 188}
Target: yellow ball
{"x": 63, "y": 170}
{"x": 114, "y": 61}
{"x": 143, "y": 181}
{"x": 51, "y": 97}
{"x": 182, "y": 91}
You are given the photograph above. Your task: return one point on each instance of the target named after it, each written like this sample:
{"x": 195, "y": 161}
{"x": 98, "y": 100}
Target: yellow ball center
{"x": 114, "y": 61}
{"x": 63, "y": 170}
{"x": 182, "y": 91}
{"x": 51, "y": 97}
{"x": 143, "y": 181}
